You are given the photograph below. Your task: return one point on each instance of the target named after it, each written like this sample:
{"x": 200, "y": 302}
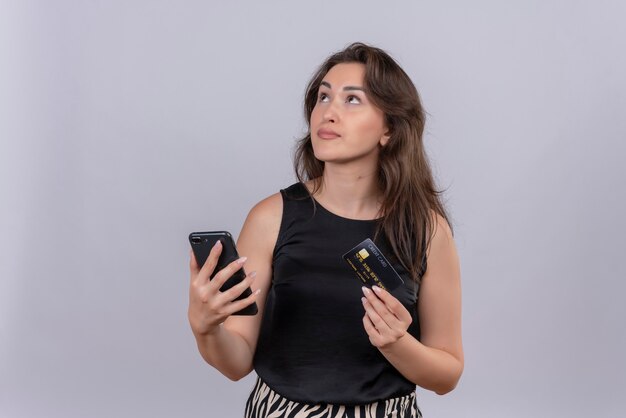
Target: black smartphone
{"x": 201, "y": 244}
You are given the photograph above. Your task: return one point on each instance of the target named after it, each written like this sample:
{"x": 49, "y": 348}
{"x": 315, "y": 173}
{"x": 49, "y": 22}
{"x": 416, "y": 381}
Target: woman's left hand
{"x": 386, "y": 320}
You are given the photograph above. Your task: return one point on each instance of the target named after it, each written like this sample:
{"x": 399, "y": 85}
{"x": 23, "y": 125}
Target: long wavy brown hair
{"x": 410, "y": 198}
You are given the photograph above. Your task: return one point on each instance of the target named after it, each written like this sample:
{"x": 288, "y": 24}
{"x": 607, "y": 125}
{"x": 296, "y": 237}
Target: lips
{"x": 327, "y": 134}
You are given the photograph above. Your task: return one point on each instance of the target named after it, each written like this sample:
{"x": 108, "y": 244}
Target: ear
{"x": 384, "y": 139}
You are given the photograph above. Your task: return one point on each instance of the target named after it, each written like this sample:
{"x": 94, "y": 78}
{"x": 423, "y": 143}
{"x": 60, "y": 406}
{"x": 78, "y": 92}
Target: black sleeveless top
{"x": 312, "y": 345}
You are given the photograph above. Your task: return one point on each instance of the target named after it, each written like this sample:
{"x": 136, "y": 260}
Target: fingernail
{"x": 366, "y": 291}
{"x": 256, "y": 292}
{"x": 242, "y": 260}
{"x": 364, "y": 301}
{"x": 218, "y": 243}
{"x": 376, "y": 289}
{"x": 252, "y": 274}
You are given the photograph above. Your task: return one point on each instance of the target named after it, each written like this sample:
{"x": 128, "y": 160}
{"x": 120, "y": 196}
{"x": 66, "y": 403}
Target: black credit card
{"x": 371, "y": 266}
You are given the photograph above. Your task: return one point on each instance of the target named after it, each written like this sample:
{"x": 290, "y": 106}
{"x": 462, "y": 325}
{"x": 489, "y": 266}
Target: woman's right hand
{"x": 208, "y": 307}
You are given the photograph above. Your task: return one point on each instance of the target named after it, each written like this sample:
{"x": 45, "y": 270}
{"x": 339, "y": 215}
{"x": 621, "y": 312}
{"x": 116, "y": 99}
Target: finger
{"x": 380, "y": 307}
{"x": 235, "y": 291}
{"x": 374, "y": 317}
{"x": 390, "y": 301}
{"x": 393, "y": 305}
{"x": 240, "y": 304}
{"x": 211, "y": 261}
{"x": 369, "y": 326}
{"x": 224, "y": 274}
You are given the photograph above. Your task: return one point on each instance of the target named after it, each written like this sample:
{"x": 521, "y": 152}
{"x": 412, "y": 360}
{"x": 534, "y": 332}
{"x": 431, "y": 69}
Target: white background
{"x": 125, "y": 125}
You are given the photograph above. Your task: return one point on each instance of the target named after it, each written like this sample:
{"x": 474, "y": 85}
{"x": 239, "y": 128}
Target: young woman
{"x": 322, "y": 345}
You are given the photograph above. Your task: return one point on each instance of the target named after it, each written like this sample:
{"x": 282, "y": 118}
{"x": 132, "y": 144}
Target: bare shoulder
{"x": 442, "y": 258}
{"x": 268, "y": 211}
{"x": 263, "y": 221}
{"x": 441, "y": 236}
{"x": 269, "y": 205}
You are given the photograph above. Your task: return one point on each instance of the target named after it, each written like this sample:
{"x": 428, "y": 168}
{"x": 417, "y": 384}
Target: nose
{"x": 330, "y": 113}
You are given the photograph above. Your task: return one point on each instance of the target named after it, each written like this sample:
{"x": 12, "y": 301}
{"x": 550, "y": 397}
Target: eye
{"x": 322, "y": 97}
{"x": 353, "y": 99}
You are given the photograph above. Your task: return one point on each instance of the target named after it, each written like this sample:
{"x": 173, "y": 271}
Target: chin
{"x": 327, "y": 157}
{"x": 324, "y": 154}
{"x": 334, "y": 159}
{"x": 337, "y": 158}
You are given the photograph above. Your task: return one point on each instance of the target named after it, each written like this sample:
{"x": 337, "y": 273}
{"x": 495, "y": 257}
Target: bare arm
{"x": 228, "y": 342}
{"x": 436, "y": 362}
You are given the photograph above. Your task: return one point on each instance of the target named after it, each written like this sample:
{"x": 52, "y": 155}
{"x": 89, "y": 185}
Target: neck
{"x": 350, "y": 191}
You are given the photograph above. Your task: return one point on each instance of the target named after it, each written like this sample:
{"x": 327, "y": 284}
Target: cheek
{"x": 314, "y": 118}
{"x": 372, "y": 126}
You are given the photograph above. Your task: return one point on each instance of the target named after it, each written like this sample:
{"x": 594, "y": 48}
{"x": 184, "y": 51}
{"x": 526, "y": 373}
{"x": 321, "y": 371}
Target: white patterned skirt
{"x": 265, "y": 403}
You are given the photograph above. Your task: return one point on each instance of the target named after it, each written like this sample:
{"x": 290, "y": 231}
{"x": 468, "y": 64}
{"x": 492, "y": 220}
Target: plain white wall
{"x": 126, "y": 125}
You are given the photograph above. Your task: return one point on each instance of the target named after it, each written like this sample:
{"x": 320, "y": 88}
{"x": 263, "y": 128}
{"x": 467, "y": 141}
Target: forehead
{"x": 351, "y": 73}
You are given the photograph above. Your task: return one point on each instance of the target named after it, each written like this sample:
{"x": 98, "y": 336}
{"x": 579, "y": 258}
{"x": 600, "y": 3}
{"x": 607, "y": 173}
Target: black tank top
{"x": 312, "y": 346}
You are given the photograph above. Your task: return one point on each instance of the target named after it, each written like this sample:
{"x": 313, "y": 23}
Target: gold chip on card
{"x": 376, "y": 270}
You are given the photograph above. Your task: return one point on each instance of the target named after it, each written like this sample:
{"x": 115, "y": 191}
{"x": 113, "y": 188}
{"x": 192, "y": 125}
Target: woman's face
{"x": 345, "y": 125}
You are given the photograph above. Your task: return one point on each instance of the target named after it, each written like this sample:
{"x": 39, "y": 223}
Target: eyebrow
{"x": 346, "y": 88}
